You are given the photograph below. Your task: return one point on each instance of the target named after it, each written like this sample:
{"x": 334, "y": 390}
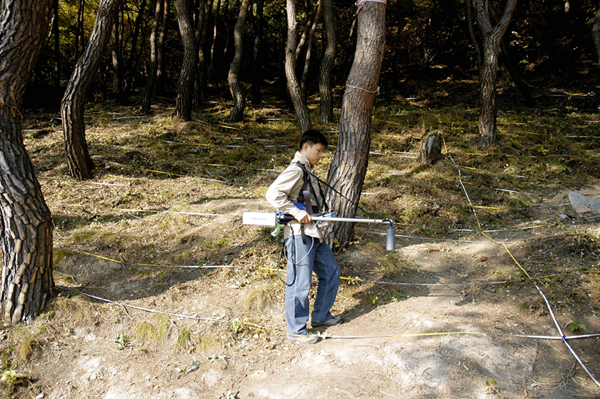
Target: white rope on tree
{"x": 361, "y": 3}
{"x": 349, "y": 88}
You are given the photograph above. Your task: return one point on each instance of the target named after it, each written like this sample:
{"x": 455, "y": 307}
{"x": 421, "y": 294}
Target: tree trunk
{"x": 290, "y": 69}
{"x": 308, "y": 26}
{"x": 508, "y": 63}
{"x": 256, "y": 61}
{"x": 227, "y": 34}
{"x": 133, "y": 55}
{"x": 160, "y": 55}
{"x": 308, "y": 54}
{"x": 472, "y": 32}
{"x": 56, "y": 34}
{"x": 185, "y": 87}
{"x": 79, "y": 161}
{"x": 237, "y": 111}
{"x": 80, "y": 33}
{"x": 596, "y": 32}
{"x": 326, "y": 103}
{"x": 153, "y": 63}
{"x": 26, "y": 223}
{"x": 117, "y": 62}
{"x": 349, "y": 165}
{"x": 202, "y": 95}
{"x": 489, "y": 69}
{"x": 214, "y": 41}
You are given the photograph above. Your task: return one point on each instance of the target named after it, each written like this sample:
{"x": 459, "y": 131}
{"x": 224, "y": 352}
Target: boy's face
{"x": 313, "y": 152}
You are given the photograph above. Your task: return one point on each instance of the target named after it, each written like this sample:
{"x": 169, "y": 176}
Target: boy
{"x": 307, "y": 251}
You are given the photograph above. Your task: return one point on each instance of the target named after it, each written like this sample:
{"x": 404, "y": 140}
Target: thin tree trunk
{"x": 26, "y": 223}
{"x": 282, "y": 89}
{"x": 314, "y": 15}
{"x": 56, "y": 34}
{"x": 512, "y": 70}
{"x": 256, "y": 61}
{"x": 153, "y": 62}
{"x": 214, "y": 41}
{"x": 202, "y": 95}
{"x": 199, "y": 6}
{"x": 472, "y": 33}
{"x": 596, "y": 32}
{"x": 239, "y": 103}
{"x": 160, "y": 72}
{"x": 79, "y": 161}
{"x": 326, "y": 103}
{"x": 185, "y": 87}
{"x": 133, "y": 56}
{"x": 307, "y": 56}
{"x": 489, "y": 69}
{"x": 349, "y": 165}
{"x": 290, "y": 68}
{"x": 227, "y": 30}
{"x": 117, "y": 62}
{"x": 80, "y": 33}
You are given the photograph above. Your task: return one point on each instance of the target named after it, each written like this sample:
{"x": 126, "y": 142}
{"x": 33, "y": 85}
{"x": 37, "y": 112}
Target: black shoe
{"x": 335, "y": 320}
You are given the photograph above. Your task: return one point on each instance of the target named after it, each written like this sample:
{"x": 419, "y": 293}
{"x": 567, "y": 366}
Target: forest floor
{"x": 162, "y": 292}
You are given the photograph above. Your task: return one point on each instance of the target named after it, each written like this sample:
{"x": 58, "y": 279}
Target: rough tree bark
{"x": 488, "y": 71}
{"x": 256, "y": 61}
{"x": 79, "y": 162}
{"x": 349, "y": 165}
{"x": 153, "y": 62}
{"x": 290, "y": 68}
{"x": 26, "y": 223}
{"x": 326, "y": 95}
{"x": 233, "y": 78}
{"x": 185, "y": 87}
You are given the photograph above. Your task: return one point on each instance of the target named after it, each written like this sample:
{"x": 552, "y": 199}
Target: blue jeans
{"x": 303, "y": 259}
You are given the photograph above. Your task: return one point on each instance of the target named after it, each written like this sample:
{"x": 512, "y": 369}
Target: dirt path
{"x": 428, "y": 341}
{"x": 465, "y": 364}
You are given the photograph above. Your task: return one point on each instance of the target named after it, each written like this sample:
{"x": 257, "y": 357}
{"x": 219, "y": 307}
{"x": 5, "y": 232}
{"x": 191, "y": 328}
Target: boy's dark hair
{"x": 314, "y": 137}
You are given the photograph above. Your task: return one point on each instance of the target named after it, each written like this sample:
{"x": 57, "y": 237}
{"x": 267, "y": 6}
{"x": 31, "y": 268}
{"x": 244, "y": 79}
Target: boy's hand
{"x": 303, "y": 217}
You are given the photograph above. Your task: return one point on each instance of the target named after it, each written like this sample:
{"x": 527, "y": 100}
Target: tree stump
{"x": 431, "y": 149}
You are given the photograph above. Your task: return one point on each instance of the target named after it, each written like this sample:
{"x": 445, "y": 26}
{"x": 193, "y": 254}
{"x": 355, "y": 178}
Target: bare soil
{"x": 130, "y": 321}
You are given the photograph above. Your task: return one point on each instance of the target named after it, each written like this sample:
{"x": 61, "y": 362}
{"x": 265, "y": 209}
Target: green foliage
{"x": 398, "y": 297}
{"x": 491, "y": 386}
{"x": 122, "y": 340}
{"x": 576, "y": 326}
{"x": 12, "y": 378}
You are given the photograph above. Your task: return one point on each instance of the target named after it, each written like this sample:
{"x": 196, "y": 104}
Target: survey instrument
{"x": 273, "y": 219}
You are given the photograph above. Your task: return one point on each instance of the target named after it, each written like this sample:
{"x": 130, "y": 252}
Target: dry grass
{"x": 261, "y": 297}
{"x": 185, "y": 341}
{"x": 154, "y": 331}
{"x": 75, "y": 310}
{"x": 207, "y": 342}
{"x": 150, "y": 168}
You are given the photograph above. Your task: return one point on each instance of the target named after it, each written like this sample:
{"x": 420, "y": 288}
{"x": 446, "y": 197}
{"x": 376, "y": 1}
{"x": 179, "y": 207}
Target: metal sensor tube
{"x": 391, "y": 238}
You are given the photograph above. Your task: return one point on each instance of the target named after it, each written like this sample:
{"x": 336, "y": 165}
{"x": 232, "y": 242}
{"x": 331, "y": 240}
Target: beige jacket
{"x": 284, "y": 192}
